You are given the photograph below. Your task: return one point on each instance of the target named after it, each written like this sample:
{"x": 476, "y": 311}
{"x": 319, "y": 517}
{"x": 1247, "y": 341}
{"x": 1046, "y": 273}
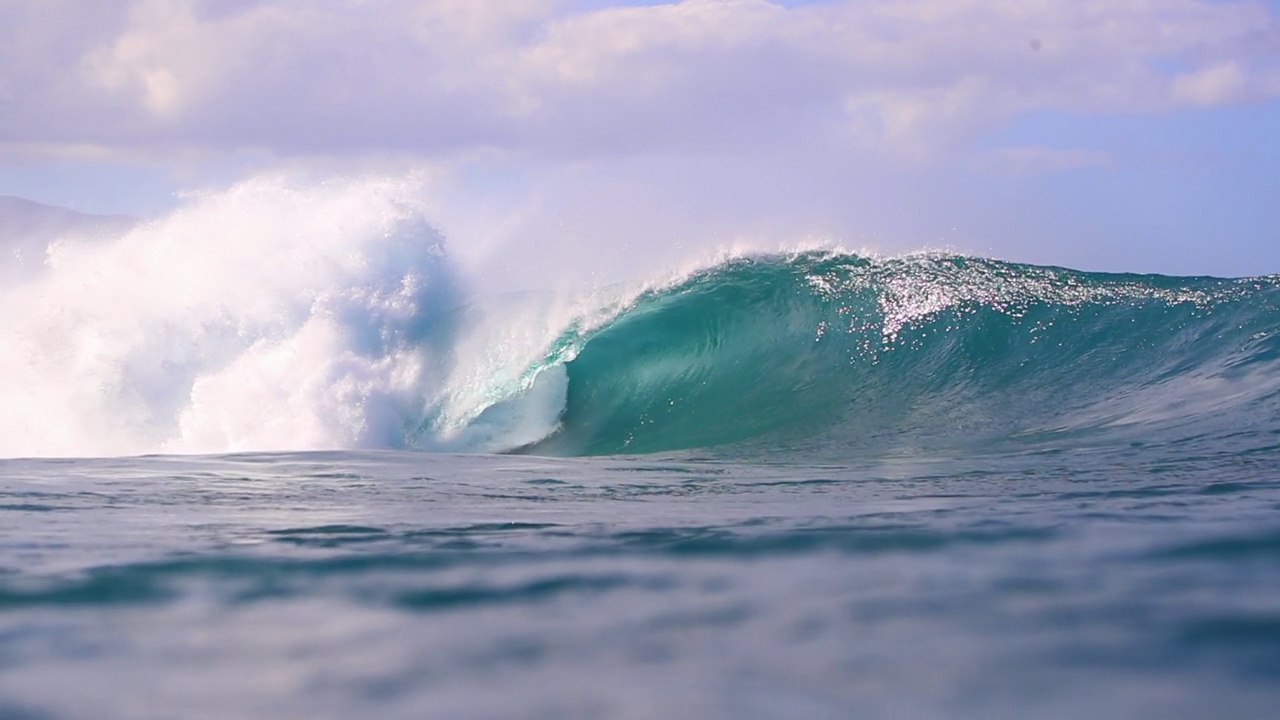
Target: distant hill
{"x": 27, "y": 227}
{"x": 20, "y": 217}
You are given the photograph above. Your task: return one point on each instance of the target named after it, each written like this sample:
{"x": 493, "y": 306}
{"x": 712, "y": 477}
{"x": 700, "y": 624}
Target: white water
{"x": 275, "y": 315}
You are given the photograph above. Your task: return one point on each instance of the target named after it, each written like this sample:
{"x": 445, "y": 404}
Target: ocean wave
{"x": 279, "y": 315}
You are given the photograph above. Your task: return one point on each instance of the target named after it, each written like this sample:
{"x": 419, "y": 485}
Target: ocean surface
{"x": 814, "y": 484}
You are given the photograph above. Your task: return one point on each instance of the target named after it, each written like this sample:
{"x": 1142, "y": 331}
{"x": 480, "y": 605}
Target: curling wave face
{"x": 833, "y": 354}
{"x": 279, "y": 317}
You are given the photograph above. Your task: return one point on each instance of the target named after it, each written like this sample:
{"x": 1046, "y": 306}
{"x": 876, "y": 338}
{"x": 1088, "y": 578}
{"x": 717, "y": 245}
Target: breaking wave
{"x": 274, "y": 316}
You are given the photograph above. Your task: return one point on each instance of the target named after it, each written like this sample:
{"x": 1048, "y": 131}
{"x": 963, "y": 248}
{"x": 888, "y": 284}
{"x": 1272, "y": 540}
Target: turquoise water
{"x": 811, "y": 486}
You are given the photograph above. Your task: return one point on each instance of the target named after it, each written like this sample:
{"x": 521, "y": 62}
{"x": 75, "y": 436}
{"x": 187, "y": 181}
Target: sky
{"x": 1117, "y": 135}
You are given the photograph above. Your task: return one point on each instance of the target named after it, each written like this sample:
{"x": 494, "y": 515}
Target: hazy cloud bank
{"x": 551, "y": 78}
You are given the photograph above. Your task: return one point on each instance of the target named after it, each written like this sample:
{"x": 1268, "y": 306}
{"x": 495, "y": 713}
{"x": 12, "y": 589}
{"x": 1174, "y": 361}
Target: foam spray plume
{"x": 268, "y": 316}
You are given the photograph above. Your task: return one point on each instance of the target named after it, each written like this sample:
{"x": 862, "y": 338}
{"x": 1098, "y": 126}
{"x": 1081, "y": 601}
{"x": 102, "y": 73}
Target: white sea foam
{"x": 277, "y": 314}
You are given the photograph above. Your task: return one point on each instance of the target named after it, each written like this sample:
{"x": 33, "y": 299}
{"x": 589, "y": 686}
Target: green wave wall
{"x": 833, "y": 353}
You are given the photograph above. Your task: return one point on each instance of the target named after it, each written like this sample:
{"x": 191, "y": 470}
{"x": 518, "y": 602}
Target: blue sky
{"x": 1107, "y": 135}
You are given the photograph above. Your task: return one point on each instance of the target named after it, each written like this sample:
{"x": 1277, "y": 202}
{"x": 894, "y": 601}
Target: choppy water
{"x": 801, "y": 485}
{"x": 1100, "y": 583}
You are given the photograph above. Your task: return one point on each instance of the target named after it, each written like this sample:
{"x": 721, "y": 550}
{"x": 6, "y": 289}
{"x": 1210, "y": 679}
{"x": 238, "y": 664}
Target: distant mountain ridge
{"x": 22, "y": 217}
{"x": 27, "y": 227}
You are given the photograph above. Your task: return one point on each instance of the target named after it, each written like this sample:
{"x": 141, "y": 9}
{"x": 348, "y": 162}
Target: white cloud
{"x": 165, "y": 42}
{"x": 1219, "y": 84}
{"x": 351, "y": 76}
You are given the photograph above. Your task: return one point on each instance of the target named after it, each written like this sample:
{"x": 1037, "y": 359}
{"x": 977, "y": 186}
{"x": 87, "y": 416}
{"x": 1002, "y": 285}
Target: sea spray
{"x": 274, "y": 314}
